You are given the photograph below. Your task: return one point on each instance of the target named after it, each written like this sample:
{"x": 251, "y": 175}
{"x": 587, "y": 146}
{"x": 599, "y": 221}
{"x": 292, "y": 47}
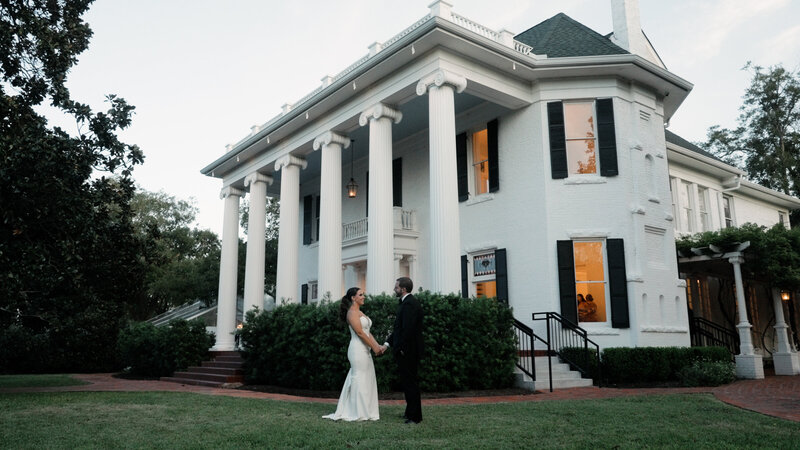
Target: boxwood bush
{"x": 160, "y": 351}
{"x": 469, "y": 344}
{"x": 657, "y": 364}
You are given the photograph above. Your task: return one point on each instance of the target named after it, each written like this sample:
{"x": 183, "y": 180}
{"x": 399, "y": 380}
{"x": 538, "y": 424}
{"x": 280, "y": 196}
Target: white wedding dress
{"x": 359, "y": 398}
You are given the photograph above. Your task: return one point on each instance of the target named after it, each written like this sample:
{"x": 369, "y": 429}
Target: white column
{"x": 445, "y": 240}
{"x": 412, "y": 270}
{"x": 748, "y": 364}
{"x": 256, "y": 241}
{"x": 380, "y": 231}
{"x": 329, "y": 275}
{"x": 286, "y": 288}
{"x": 785, "y": 360}
{"x": 229, "y": 254}
{"x": 350, "y": 276}
{"x": 397, "y": 258}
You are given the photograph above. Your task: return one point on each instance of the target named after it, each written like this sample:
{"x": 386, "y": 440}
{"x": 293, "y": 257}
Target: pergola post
{"x": 748, "y": 364}
{"x": 785, "y": 360}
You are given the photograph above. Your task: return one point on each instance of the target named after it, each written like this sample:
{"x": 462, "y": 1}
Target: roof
{"x": 679, "y": 141}
{"x": 561, "y": 36}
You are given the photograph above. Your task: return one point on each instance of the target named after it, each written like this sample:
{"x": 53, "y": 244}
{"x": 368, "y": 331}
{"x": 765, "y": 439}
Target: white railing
{"x": 474, "y": 27}
{"x": 525, "y": 49}
{"x": 403, "y": 220}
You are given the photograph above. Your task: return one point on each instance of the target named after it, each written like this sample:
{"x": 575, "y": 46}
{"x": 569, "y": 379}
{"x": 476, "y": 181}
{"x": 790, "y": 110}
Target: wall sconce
{"x": 352, "y": 187}
{"x": 785, "y": 296}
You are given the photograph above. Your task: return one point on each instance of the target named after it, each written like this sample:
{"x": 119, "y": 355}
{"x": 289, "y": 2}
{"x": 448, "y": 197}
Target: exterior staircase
{"x": 223, "y": 369}
{"x": 563, "y": 377}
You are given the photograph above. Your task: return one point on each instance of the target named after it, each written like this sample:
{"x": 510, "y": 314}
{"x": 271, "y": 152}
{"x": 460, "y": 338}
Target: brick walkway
{"x": 777, "y": 396}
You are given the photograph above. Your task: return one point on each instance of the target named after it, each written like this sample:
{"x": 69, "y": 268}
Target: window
{"x": 687, "y": 206}
{"x": 480, "y": 162}
{"x": 484, "y": 269}
{"x": 782, "y": 219}
{"x": 673, "y": 189}
{"x": 313, "y": 293}
{"x": 590, "y": 281}
{"x": 702, "y": 208}
{"x": 311, "y": 219}
{"x": 579, "y": 127}
{"x": 727, "y": 210}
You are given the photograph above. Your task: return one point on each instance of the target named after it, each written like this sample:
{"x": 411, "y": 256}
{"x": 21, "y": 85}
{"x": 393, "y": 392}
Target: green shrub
{"x": 654, "y": 364}
{"x": 159, "y": 351}
{"x": 707, "y": 373}
{"x": 581, "y": 356}
{"x": 469, "y": 344}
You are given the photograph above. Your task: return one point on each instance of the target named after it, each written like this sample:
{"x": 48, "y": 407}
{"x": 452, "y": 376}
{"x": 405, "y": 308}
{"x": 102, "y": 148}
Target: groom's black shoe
{"x": 410, "y": 422}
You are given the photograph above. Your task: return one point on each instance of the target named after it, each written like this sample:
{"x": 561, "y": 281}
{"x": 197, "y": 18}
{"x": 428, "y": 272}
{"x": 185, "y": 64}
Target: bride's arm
{"x": 355, "y": 322}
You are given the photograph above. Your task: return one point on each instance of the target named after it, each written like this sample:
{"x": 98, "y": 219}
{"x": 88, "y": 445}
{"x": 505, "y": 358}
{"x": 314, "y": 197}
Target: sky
{"x": 201, "y": 73}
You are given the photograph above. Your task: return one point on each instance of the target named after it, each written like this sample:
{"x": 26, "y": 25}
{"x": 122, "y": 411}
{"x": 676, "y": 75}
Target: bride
{"x": 359, "y": 398}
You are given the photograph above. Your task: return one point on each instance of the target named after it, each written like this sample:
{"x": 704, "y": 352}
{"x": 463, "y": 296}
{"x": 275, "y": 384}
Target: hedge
{"x": 469, "y": 344}
{"x": 153, "y": 351}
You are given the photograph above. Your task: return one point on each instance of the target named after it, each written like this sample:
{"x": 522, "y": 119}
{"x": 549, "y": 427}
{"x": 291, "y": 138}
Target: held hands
{"x": 381, "y": 350}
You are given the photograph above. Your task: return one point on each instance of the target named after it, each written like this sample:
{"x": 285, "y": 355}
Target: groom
{"x": 406, "y": 343}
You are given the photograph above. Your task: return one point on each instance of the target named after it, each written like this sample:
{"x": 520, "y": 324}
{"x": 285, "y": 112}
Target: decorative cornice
{"x": 330, "y": 137}
{"x": 290, "y": 160}
{"x": 439, "y": 78}
{"x": 378, "y": 111}
{"x": 230, "y": 191}
{"x": 256, "y": 177}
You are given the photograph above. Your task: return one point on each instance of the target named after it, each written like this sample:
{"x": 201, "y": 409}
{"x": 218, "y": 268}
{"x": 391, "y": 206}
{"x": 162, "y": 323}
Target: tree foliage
{"x": 766, "y": 142}
{"x": 68, "y": 255}
{"x": 181, "y": 263}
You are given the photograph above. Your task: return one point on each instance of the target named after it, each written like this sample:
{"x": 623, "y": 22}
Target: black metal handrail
{"x": 563, "y": 333}
{"x": 705, "y": 333}
{"x": 526, "y": 354}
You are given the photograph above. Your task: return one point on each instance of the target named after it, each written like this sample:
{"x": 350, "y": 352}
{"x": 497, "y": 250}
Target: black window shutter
{"x": 307, "y": 204}
{"x": 316, "y": 218}
{"x": 461, "y": 163}
{"x": 558, "y": 140}
{"x": 617, "y": 283}
{"x": 501, "y": 274}
{"x": 464, "y": 279}
{"x": 366, "y": 194}
{"x": 566, "y": 281}
{"x": 304, "y": 294}
{"x": 397, "y": 182}
{"x": 494, "y": 167}
{"x": 606, "y": 138}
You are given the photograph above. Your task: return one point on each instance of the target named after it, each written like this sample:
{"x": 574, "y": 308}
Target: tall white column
{"x": 350, "y": 276}
{"x": 397, "y": 258}
{"x": 256, "y": 241}
{"x": 748, "y": 364}
{"x": 445, "y": 240}
{"x": 286, "y": 288}
{"x": 380, "y": 233}
{"x": 329, "y": 275}
{"x": 229, "y": 255}
{"x": 784, "y": 358}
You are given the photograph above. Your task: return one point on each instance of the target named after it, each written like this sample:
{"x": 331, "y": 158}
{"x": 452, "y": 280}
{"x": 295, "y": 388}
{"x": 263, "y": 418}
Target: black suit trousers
{"x": 408, "y": 366}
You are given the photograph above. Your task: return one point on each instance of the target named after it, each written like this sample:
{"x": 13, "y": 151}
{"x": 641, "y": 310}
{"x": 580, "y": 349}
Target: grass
{"x": 183, "y": 420}
{"x": 47, "y": 380}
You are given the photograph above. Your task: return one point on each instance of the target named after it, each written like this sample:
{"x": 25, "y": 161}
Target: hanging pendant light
{"x": 352, "y": 187}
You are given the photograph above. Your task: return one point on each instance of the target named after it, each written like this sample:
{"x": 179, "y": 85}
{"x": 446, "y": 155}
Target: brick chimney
{"x": 628, "y": 30}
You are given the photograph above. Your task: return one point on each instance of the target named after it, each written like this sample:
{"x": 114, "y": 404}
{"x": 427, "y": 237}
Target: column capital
{"x": 736, "y": 260}
{"x": 256, "y": 177}
{"x": 398, "y": 256}
{"x": 331, "y": 137}
{"x": 439, "y": 78}
{"x": 377, "y": 111}
{"x": 228, "y": 191}
{"x": 290, "y": 160}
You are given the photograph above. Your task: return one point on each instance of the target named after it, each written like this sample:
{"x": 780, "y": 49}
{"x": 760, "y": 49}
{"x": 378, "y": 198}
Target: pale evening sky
{"x": 201, "y": 73}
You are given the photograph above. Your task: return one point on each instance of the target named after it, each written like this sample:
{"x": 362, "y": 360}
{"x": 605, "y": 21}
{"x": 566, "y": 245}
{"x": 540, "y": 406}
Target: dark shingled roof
{"x": 677, "y": 140}
{"x": 561, "y": 36}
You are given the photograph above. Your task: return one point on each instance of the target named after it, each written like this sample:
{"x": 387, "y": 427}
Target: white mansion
{"x": 531, "y": 167}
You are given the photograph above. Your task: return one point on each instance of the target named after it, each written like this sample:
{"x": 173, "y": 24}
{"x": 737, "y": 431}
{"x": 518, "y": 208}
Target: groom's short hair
{"x": 405, "y": 283}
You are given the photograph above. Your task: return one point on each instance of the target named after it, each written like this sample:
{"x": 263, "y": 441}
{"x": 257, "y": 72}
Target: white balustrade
{"x": 404, "y": 220}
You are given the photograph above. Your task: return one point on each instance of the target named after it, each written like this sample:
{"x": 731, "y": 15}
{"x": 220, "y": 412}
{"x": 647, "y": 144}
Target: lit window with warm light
{"x": 579, "y": 127}
{"x": 483, "y": 275}
{"x": 480, "y": 161}
{"x": 590, "y": 281}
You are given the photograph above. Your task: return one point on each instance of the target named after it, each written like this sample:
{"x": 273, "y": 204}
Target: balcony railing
{"x": 404, "y": 220}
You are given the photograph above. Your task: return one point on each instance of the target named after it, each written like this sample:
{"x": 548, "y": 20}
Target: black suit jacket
{"x": 406, "y": 339}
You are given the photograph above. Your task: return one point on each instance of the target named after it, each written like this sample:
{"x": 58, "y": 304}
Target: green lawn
{"x": 182, "y": 420}
{"x": 47, "y": 380}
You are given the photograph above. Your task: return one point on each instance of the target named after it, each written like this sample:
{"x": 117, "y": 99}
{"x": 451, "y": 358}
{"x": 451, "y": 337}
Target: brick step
{"x": 209, "y": 377}
{"x": 227, "y": 365}
{"x": 215, "y": 354}
{"x": 215, "y": 370}
{"x": 233, "y": 359}
{"x": 192, "y": 381}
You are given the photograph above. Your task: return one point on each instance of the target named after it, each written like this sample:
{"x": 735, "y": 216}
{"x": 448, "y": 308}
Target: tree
{"x": 180, "y": 263}
{"x": 68, "y": 256}
{"x": 767, "y": 141}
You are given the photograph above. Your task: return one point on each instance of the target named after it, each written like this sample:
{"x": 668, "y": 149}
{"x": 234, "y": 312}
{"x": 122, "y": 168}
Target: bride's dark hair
{"x": 347, "y": 301}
